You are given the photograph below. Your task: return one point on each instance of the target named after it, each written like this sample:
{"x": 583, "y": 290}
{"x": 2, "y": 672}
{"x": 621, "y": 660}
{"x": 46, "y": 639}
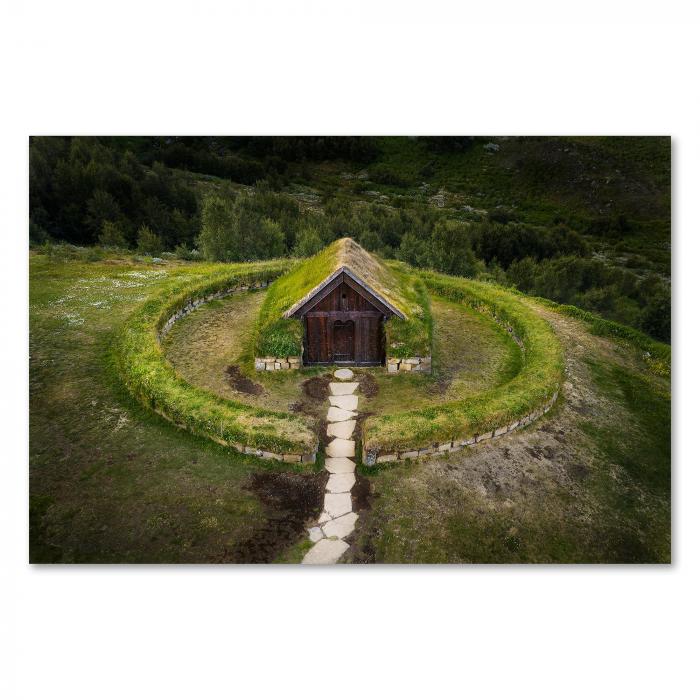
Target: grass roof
{"x": 279, "y": 335}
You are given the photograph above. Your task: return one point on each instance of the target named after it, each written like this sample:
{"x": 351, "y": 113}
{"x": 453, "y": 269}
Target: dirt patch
{"x": 368, "y": 385}
{"x": 361, "y": 493}
{"x": 317, "y": 387}
{"x": 239, "y": 382}
{"x": 291, "y": 501}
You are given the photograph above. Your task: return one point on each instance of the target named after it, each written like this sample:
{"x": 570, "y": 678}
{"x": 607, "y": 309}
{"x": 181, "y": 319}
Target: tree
{"x": 235, "y": 230}
{"x": 217, "y": 238}
{"x": 101, "y": 207}
{"x": 147, "y": 242}
{"x": 270, "y": 242}
{"x": 308, "y": 242}
{"x": 450, "y": 249}
{"x": 656, "y": 317}
{"x": 112, "y": 235}
{"x": 414, "y": 250}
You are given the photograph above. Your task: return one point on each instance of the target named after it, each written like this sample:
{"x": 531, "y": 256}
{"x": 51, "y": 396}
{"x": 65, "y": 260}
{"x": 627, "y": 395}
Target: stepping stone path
{"x": 337, "y": 520}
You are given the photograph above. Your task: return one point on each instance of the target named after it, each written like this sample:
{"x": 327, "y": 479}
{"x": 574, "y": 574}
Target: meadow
{"x": 112, "y": 481}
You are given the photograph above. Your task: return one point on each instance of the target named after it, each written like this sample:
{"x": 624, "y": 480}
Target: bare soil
{"x": 369, "y": 387}
{"x": 239, "y": 382}
{"x": 291, "y": 502}
{"x": 317, "y": 387}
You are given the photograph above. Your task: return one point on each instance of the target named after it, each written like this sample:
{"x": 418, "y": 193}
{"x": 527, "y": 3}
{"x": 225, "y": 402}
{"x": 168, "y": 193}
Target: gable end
{"x": 342, "y": 274}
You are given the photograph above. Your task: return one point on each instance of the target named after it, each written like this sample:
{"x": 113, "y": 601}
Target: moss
{"x": 540, "y": 376}
{"x": 155, "y": 383}
{"x": 278, "y": 336}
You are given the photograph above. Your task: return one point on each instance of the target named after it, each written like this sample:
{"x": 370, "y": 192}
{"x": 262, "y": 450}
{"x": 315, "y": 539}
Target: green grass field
{"x": 110, "y": 481}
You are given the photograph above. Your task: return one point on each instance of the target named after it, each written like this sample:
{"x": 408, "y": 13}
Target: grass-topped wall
{"x": 532, "y": 388}
{"x": 154, "y": 382}
{"x": 278, "y": 336}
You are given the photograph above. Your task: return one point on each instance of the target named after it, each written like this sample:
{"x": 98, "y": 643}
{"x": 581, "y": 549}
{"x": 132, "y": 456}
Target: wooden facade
{"x": 343, "y": 323}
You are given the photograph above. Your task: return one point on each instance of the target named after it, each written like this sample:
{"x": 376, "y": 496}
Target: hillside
{"x": 113, "y": 481}
{"x": 579, "y": 220}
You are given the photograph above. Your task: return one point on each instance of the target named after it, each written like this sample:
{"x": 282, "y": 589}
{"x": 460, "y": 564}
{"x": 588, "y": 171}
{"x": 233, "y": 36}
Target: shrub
{"x": 112, "y": 236}
{"x": 147, "y": 242}
{"x": 384, "y": 175}
{"x": 185, "y": 252}
{"x": 308, "y": 242}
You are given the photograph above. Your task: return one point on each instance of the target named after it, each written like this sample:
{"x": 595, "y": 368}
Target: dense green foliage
{"x": 583, "y": 221}
{"x": 233, "y": 231}
{"x": 154, "y": 382}
{"x": 539, "y": 378}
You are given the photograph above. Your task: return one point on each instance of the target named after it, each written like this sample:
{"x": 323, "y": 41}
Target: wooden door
{"x": 369, "y": 343}
{"x": 316, "y": 347}
{"x": 344, "y": 341}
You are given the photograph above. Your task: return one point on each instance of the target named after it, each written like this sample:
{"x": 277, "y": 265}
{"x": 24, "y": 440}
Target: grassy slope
{"x": 110, "y": 481}
{"x": 588, "y": 483}
{"x": 541, "y": 181}
{"x": 547, "y": 177}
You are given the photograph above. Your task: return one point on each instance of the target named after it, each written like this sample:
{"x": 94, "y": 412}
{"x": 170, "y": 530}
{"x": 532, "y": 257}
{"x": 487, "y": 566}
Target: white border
{"x": 507, "y": 67}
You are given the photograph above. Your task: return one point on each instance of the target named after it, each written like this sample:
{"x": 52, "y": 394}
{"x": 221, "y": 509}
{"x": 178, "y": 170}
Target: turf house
{"x": 345, "y": 307}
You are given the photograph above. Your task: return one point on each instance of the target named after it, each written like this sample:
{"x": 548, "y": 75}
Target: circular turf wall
{"x": 457, "y": 424}
{"x": 153, "y": 381}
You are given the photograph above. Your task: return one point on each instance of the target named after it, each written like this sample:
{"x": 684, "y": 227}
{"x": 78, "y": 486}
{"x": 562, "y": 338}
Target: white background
{"x": 510, "y": 67}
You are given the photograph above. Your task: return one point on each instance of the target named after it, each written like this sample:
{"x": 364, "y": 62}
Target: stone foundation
{"x": 409, "y": 364}
{"x": 371, "y": 457}
{"x": 274, "y": 364}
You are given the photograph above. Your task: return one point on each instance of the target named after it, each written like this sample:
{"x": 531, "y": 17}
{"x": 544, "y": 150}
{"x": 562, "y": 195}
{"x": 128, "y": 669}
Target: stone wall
{"x": 273, "y": 364}
{"x": 409, "y": 364}
{"x": 190, "y": 306}
{"x": 371, "y": 458}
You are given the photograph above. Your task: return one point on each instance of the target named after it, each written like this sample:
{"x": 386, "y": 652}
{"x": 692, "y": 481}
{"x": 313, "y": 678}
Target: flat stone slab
{"x": 344, "y": 429}
{"x": 325, "y": 552}
{"x": 349, "y": 403}
{"x": 315, "y": 534}
{"x": 341, "y": 448}
{"x": 337, "y": 504}
{"x": 336, "y": 415}
{"x": 340, "y": 527}
{"x": 343, "y": 374}
{"x": 323, "y": 518}
{"x": 340, "y": 483}
{"x": 343, "y": 388}
{"x": 340, "y": 465}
